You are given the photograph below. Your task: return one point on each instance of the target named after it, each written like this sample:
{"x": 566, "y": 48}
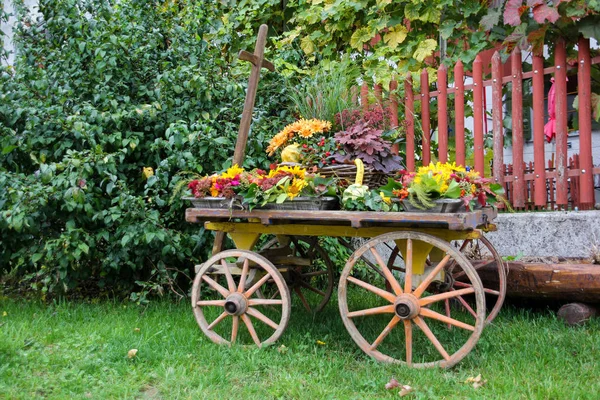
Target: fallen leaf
{"x": 392, "y": 384}
{"x": 4, "y": 314}
{"x": 136, "y": 329}
{"x": 405, "y": 390}
{"x": 476, "y": 381}
{"x": 282, "y": 349}
{"x": 321, "y": 343}
{"x": 132, "y": 353}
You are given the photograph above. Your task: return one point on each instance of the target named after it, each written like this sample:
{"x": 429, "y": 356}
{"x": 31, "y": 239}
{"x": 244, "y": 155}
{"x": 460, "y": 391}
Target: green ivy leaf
{"x": 424, "y": 49}
{"x": 395, "y": 36}
{"x": 360, "y": 37}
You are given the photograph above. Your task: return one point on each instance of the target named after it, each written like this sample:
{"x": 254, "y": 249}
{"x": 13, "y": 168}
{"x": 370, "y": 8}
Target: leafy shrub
{"x": 99, "y": 92}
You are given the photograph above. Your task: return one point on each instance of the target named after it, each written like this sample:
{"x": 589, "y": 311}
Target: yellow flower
{"x": 147, "y": 172}
{"x": 303, "y": 127}
{"x": 295, "y": 188}
{"x": 296, "y": 170}
{"x": 320, "y": 343}
{"x": 232, "y": 172}
{"x": 386, "y": 200}
{"x": 4, "y": 313}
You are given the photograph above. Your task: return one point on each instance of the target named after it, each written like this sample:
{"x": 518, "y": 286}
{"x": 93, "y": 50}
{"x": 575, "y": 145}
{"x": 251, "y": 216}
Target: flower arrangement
{"x": 227, "y": 184}
{"x": 303, "y": 130}
{"x": 444, "y": 180}
{"x": 284, "y": 183}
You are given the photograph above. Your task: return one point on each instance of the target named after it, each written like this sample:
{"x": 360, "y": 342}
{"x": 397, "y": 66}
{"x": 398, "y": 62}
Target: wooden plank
{"x": 242, "y": 228}
{"x": 538, "y": 132}
{"x": 517, "y": 129}
{"x": 442, "y": 114}
{"x": 425, "y": 121}
{"x": 459, "y": 112}
{"x": 586, "y": 181}
{"x": 478, "y": 114}
{"x": 560, "y": 60}
{"x": 497, "y": 126}
{"x": 452, "y": 221}
{"x": 409, "y": 110}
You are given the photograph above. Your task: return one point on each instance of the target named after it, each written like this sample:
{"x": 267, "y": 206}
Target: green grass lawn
{"x": 79, "y": 350}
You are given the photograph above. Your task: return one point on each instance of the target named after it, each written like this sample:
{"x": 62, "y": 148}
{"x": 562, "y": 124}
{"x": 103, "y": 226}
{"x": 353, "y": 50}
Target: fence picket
{"x": 478, "y": 113}
{"x": 443, "y": 113}
{"x": 425, "y": 121}
{"x": 560, "y": 59}
{"x": 409, "y": 109}
{"x": 459, "y": 112}
{"x": 393, "y": 110}
{"x": 586, "y": 180}
{"x": 498, "y": 129}
{"x": 517, "y": 129}
{"x": 540, "y": 197}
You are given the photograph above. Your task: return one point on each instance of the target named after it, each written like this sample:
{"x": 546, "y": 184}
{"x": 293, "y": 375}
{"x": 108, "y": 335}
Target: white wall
{"x": 7, "y": 28}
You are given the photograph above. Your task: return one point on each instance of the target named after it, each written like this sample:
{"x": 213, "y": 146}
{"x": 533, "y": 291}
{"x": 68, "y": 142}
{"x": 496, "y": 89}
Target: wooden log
{"x": 576, "y": 313}
{"x": 567, "y": 282}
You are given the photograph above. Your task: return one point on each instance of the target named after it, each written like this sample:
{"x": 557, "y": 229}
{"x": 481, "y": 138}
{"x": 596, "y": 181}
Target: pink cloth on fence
{"x": 550, "y": 127}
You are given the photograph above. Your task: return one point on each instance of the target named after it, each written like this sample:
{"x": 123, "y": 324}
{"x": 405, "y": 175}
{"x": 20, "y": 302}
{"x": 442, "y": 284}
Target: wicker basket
{"x": 441, "y": 206}
{"x": 372, "y": 178}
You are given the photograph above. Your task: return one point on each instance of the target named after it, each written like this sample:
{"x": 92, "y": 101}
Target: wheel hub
{"x": 406, "y": 306}
{"x": 236, "y": 304}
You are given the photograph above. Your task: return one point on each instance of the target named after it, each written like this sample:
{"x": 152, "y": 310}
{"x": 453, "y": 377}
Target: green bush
{"x": 101, "y": 90}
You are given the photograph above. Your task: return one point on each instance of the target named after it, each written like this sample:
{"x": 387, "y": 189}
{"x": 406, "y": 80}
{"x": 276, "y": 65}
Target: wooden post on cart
{"x": 258, "y": 62}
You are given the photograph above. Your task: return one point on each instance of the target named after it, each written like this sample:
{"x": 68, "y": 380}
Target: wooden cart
{"x": 411, "y": 269}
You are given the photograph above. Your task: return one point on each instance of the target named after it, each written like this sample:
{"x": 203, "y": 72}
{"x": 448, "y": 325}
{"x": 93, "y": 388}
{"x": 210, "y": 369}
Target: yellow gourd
{"x": 291, "y": 154}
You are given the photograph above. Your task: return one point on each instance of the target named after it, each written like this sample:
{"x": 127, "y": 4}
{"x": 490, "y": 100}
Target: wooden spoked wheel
{"x": 306, "y": 268}
{"x": 382, "y": 321}
{"x": 225, "y": 293}
{"x": 486, "y": 260}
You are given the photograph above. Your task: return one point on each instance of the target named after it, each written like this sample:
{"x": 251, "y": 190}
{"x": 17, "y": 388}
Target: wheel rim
{"x": 471, "y": 248}
{"x": 312, "y": 284}
{"x": 225, "y": 293}
{"x": 382, "y": 321}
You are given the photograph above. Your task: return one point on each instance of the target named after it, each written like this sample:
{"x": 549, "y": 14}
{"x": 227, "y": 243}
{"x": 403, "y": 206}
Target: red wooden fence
{"x": 564, "y": 183}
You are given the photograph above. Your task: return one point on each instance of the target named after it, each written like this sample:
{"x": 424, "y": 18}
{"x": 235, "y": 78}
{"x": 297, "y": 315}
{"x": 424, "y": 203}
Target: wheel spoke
{"x": 444, "y": 296}
{"x": 302, "y": 298}
{"x": 262, "y": 317}
{"x": 264, "y": 302}
{"x": 409, "y": 266}
{"x": 258, "y": 284}
{"x": 476, "y": 266}
{"x": 386, "y": 271}
{"x": 426, "y": 312}
{"x": 244, "y": 275}
{"x": 466, "y": 285}
{"x": 436, "y": 343}
{"x": 467, "y": 306}
{"x": 230, "y": 282}
{"x": 374, "y": 289}
{"x": 234, "y": 328}
{"x": 204, "y": 303}
{"x": 217, "y": 320}
{"x": 421, "y": 288}
{"x": 386, "y": 331}
{"x": 312, "y": 289}
{"x": 408, "y": 338}
{"x": 315, "y": 273}
{"x": 447, "y": 307}
{"x": 213, "y": 284}
{"x": 250, "y": 327}
{"x": 372, "y": 311}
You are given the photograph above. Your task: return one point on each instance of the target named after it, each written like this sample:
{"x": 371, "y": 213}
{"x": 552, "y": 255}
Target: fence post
{"x": 478, "y": 113}
{"x": 560, "y": 60}
{"x": 409, "y": 108}
{"x": 497, "y": 119}
{"x": 443, "y": 113}
{"x": 425, "y": 122}
{"x": 459, "y": 112}
{"x": 517, "y": 129}
{"x": 586, "y": 181}
{"x": 539, "y": 160}
{"x": 394, "y": 111}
